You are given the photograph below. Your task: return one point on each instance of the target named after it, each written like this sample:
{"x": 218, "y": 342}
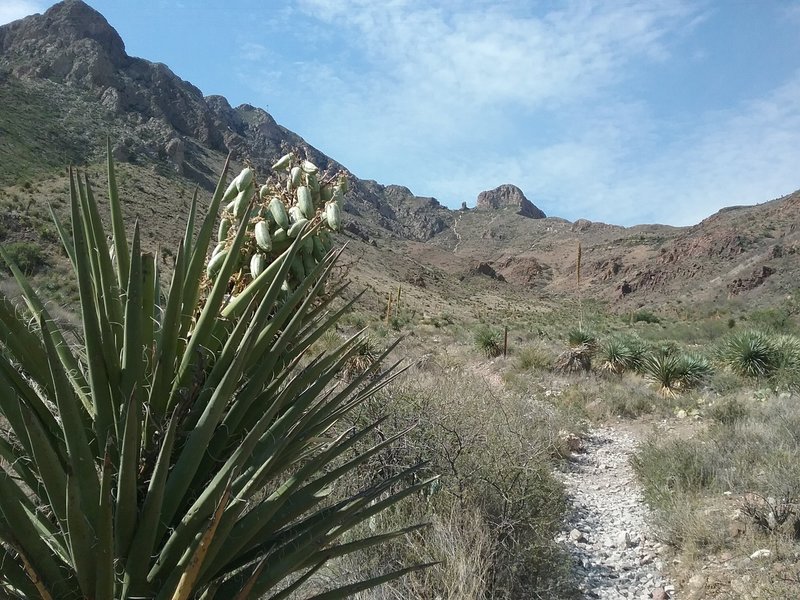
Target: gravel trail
{"x": 607, "y": 533}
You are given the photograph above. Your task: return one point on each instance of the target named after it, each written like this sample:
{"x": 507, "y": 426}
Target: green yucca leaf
{"x": 104, "y": 588}
{"x": 117, "y": 224}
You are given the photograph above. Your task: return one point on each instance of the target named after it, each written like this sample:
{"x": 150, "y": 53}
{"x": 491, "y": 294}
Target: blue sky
{"x": 621, "y": 111}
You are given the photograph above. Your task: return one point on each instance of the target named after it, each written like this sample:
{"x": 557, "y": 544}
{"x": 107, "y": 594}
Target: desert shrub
{"x": 749, "y": 353}
{"x": 628, "y": 398}
{"x": 774, "y": 320}
{"x": 28, "y": 256}
{"x": 753, "y": 452}
{"x": 534, "y": 357}
{"x": 644, "y": 316}
{"x": 787, "y": 371}
{"x": 460, "y": 546}
{"x": 488, "y": 341}
{"x": 674, "y": 466}
{"x": 492, "y": 451}
{"x": 728, "y": 410}
{"x": 722, "y": 382}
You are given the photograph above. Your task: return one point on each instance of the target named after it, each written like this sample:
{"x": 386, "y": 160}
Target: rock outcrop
{"x": 509, "y": 196}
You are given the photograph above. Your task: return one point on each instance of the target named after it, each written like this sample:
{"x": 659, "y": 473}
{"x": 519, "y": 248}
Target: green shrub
{"x": 751, "y": 452}
{"x": 728, "y": 410}
{"x": 673, "y": 467}
{"x": 534, "y": 357}
{"x": 644, "y": 316}
{"x": 493, "y": 451}
{"x": 28, "y": 256}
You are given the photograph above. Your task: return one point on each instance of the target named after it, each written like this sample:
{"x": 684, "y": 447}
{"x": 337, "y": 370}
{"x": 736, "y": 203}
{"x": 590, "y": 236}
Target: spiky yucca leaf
{"x": 179, "y": 448}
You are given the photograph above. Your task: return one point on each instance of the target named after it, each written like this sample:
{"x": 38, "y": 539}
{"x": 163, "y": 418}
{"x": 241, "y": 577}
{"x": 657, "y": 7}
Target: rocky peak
{"x": 69, "y": 41}
{"x": 509, "y": 196}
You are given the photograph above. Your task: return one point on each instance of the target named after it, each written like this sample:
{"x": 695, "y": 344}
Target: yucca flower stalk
{"x": 182, "y": 447}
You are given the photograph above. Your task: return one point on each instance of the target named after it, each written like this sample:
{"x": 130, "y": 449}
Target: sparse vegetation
{"x": 734, "y": 488}
{"x": 28, "y": 256}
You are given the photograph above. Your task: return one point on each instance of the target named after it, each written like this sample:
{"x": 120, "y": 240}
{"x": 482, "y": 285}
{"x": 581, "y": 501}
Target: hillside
{"x": 66, "y": 82}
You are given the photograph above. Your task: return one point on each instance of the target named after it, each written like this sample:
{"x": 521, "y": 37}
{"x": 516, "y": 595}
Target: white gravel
{"x": 607, "y": 533}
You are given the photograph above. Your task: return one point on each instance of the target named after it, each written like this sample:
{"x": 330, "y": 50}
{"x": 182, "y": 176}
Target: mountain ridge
{"x": 157, "y": 118}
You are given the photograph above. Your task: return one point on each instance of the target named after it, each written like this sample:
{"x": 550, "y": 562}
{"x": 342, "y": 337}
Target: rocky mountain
{"x": 508, "y": 196}
{"x": 66, "y": 82}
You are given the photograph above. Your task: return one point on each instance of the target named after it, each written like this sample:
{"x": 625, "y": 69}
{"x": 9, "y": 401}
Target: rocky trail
{"x": 607, "y": 533}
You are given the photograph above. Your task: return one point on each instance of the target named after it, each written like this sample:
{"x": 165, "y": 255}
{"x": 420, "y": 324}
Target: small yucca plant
{"x": 673, "y": 372}
{"x": 578, "y": 336}
{"x": 487, "y": 340}
{"x": 616, "y": 356}
{"x": 665, "y": 370}
{"x": 184, "y": 448}
{"x": 750, "y": 353}
{"x": 696, "y": 369}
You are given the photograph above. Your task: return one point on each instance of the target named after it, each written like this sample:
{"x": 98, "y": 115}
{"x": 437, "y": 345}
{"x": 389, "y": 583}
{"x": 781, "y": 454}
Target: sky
{"x": 622, "y": 111}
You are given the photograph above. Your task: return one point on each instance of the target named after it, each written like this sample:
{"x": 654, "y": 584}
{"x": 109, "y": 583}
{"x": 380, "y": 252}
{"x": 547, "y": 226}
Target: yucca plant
{"x": 696, "y": 369}
{"x": 616, "y": 355}
{"x": 749, "y": 353}
{"x": 487, "y": 340}
{"x": 185, "y": 448}
{"x": 666, "y": 370}
{"x": 578, "y": 336}
{"x": 673, "y": 371}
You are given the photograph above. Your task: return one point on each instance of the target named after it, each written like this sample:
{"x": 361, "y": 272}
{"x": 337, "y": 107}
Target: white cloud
{"x": 253, "y": 51}
{"x": 11, "y": 10}
{"x": 457, "y": 97}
